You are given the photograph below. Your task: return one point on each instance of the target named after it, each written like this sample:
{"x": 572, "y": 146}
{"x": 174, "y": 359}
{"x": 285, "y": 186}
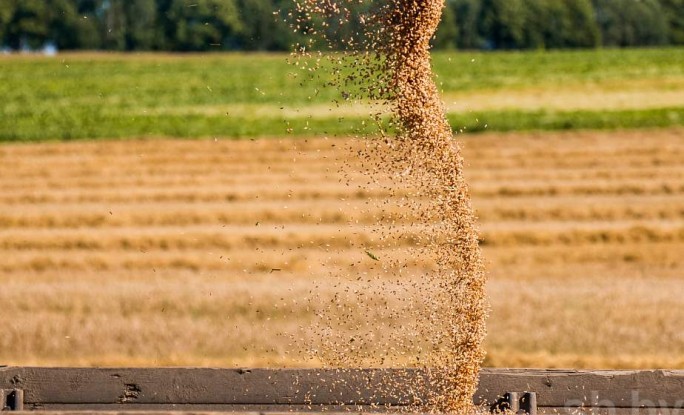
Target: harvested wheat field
{"x": 159, "y": 252}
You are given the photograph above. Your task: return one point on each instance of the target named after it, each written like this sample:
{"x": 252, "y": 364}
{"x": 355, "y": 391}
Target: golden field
{"x": 171, "y": 252}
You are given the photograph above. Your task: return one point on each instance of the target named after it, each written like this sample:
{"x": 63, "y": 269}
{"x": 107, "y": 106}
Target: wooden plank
{"x": 188, "y": 411}
{"x": 212, "y": 386}
{"x": 212, "y": 410}
{"x": 218, "y": 408}
{"x": 200, "y": 386}
{"x": 178, "y": 411}
{"x": 142, "y": 412}
{"x": 574, "y": 388}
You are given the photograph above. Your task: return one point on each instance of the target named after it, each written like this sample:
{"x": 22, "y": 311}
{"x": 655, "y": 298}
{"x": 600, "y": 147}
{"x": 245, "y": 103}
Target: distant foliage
{"x": 204, "y": 25}
{"x": 632, "y": 22}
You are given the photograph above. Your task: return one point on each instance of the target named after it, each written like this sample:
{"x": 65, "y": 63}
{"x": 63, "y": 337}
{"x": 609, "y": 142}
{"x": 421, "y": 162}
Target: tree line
{"x": 202, "y": 25}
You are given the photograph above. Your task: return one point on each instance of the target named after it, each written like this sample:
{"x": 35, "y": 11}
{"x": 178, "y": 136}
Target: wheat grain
{"x": 389, "y": 61}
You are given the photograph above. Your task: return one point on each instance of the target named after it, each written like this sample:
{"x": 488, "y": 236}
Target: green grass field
{"x": 76, "y": 96}
{"x": 221, "y": 252}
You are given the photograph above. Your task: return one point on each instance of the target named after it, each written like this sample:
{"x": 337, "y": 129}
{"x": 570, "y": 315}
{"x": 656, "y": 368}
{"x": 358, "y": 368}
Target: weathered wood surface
{"x": 254, "y": 390}
{"x": 212, "y": 386}
{"x": 544, "y": 411}
{"x": 568, "y": 388}
{"x": 209, "y": 408}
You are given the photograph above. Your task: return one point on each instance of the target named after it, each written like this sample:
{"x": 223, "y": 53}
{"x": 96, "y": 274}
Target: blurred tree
{"x": 62, "y": 22}
{"x": 141, "y": 24}
{"x": 649, "y": 23}
{"x": 202, "y": 24}
{"x": 580, "y": 28}
{"x": 88, "y": 34}
{"x": 447, "y": 31}
{"x": 92, "y": 7}
{"x": 467, "y": 14}
{"x": 263, "y": 27}
{"x": 87, "y": 27}
{"x": 165, "y": 27}
{"x": 7, "y": 8}
{"x": 537, "y": 18}
{"x": 27, "y": 27}
{"x": 502, "y": 23}
{"x": 631, "y": 22}
{"x": 188, "y": 25}
{"x": 114, "y": 26}
{"x": 674, "y": 13}
{"x": 560, "y": 24}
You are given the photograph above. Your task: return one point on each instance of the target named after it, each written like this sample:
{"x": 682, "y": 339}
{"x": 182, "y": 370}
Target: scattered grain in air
{"x": 387, "y": 61}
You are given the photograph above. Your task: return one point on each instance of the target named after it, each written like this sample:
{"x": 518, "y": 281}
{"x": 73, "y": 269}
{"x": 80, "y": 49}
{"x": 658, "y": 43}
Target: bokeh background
{"x": 174, "y": 192}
